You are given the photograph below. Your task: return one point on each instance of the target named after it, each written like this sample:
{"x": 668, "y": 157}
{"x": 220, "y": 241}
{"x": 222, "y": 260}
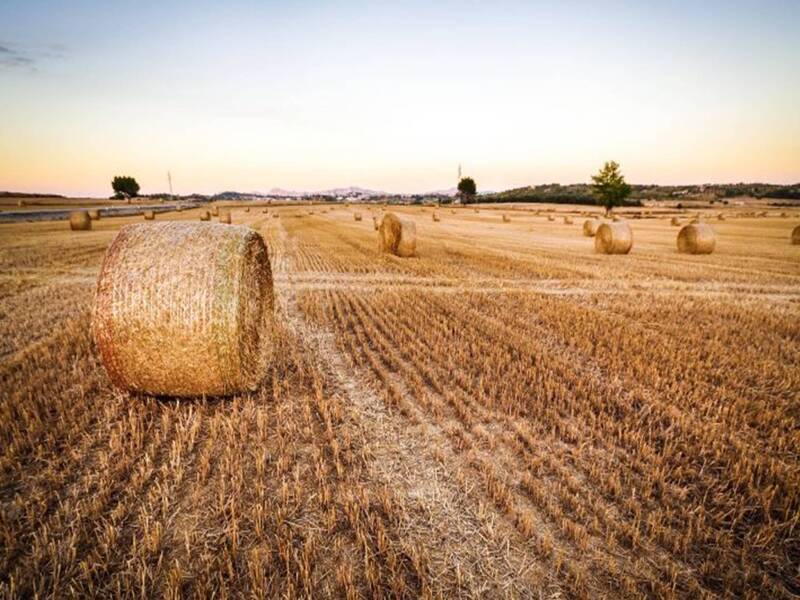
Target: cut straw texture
{"x": 79, "y": 220}
{"x": 613, "y": 238}
{"x": 696, "y": 238}
{"x": 397, "y": 236}
{"x": 796, "y": 236}
{"x": 185, "y": 309}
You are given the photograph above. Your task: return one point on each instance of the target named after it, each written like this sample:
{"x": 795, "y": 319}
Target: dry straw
{"x": 506, "y": 219}
{"x": 590, "y": 227}
{"x": 796, "y": 236}
{"x": 567, "y": 220}
{"x": 551, "y": 218}
{"x": 613, "y": 238}
{"x": 436, "y": 217}
{"x": 375, "y": 223}
{"x": 204, "y": 216}
{"x": 247, "y": 209}
{"x": 275, "y": 215}
{"x": 79, "y": 220}
{"x": 149, "y": 215}
{"x": 675, "y": 221}
{"x": 185, "y": 309}
{"x": 225, "y": 217}
{"x": 215, "y": 211}
{"x": 357, "y": 216}
{"x": 696, "y": 238}
{"x": 720, "y": 217}
{"x": 94, "y": 214}
{"x": 397, "y": 236}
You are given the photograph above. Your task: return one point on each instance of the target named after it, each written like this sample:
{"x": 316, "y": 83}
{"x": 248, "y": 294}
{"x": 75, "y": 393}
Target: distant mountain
{"x": 346, "y": 192}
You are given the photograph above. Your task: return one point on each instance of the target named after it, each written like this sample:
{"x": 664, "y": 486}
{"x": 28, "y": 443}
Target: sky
{"x": 395, "y": 95}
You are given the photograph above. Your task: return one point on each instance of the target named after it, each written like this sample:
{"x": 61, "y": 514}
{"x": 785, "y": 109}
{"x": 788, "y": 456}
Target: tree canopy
{"x": 609, "y": 187}
{"x": 467, "y": 188}
{"x": 125, "y": 186}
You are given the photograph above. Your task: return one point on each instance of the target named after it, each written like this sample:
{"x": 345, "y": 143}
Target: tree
{"x": 125, "y": 186}
{"x": 467, "y": 189}
{"x": 609, "y": 186}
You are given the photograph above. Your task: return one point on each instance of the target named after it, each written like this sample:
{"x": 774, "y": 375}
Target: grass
{"x": 508, "y": 413}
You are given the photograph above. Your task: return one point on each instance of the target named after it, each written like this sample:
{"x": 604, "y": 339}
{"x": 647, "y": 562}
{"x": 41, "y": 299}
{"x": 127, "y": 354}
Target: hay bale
{"x": 149, "y": 215}
{"x": 205, "y": 216}
{"x": 397, "y": 236}
{"x": 590, "y": 227}
{"x": 357, "y": 216}
{"x": 265, "y": 211}
{"x": 796, "y": 236}
{"x": 79, "y": 220}
{"x": 436, "y": 217}
{"x": 20, "y": 202}
{"x": 247, "y": 209}
{"x": 215, "y": 211}
{"x": 506, "y": 219}
{"x": 567, "y": 220}
{"x": 375, "y": 223}
{"x": 551, "y": 218}
{"x": 675, "y": 221}
{"x": 94, "y": 214}
{"x": 720, "y": 217}
{"x": 476, "y": 211}
{"x": 225, "y": 217}
{"x": 613, "y": 238}
{"x": 275, "y": 215}
{"x": 697, "y": 238}
{"x": 185, "y": 309}
{"x": 784, "y": 215}
{"x": 616, "y": 219}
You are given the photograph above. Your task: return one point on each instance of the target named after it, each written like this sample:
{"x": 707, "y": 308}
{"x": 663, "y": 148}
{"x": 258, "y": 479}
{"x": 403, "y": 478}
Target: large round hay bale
{"x": 675, "y": 221}
{"x": 590, "y": 227}
{"x": 149, "y": 215}
{"x": 696, "y": 238}
{"x": 204, "y": 216}
{"x": 397, "y": 236}
{"x": 185, "y": 309}
{"x": 265, "y": 211}
{"x": 357, "y": 216}
{"x": 79, "y": 220}
{"x": 613, "y": 238}
{"x": 436, "y": 217}
{"x": 247, "y": 209}
{"x": 94, "y": 214}
{"x": 225, "y": 217}
{"x": 567, "y": 220}
{"x": 796, "y": 236}
{"x": 215, "y": 211}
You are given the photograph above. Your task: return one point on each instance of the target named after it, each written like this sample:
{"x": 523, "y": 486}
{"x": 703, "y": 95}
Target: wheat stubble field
{"x": 507, "y": 414}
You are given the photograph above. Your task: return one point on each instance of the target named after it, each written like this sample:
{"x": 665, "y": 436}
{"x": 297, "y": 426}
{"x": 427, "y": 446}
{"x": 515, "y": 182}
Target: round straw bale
{"x": 204, "y": 215}
{"x": 149, "y": 215}
{"x": 265, "y": 211}
{"x": 796, "y": 236}
{"x": 94, "y": 214}
{"x": 696, "y": 238}
{"x": 375, "y": 223}
{"x": 20, "y": 202}
{"x": 275, "y": 215}
{"x": 247, "y": 209}
{"x": 185, "y": 309}
{"x": 79, "y": 220}
{"x": 675, "y": 221}
{"x": 225, "y": 217}
{"x": 613, "y": 238}
{"x": 551, "y": 218}
{"x": 215, "y": 211}
{"x": 476, "y": 211}
{"x": 590, "y": 227}
{"x": 397, "y": 236}
{"x": 567, "y": 220}
{"x": 436, "y": 216}
{"x": 720, "y": 217}
{"x": 616, "y": 219}
{"x": 506, "y": 219}
{"x": 784, "y": 215}
{"x": 357, "y": 216}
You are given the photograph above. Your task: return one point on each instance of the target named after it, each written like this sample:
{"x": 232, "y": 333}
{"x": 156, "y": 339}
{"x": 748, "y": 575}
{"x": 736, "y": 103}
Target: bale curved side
{"x": 675, "y": 221}
{"x": 796, "y": 236}
{"x": 94, "y": 214}
{"x": 613, "y": 238}
{"x": 185, "y": 309}
{"x": 567, "y": 220}
{"x": 397, "y": 236}
{"x": 696, "y": 238}
{"x": 79, "y": 220}
{"x": 149, "y": 215}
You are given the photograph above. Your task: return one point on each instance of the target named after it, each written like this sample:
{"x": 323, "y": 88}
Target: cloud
{"x": 14, "y": 56}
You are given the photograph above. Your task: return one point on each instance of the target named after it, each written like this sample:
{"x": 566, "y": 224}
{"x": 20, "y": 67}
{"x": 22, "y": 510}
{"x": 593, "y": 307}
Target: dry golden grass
{"x": 505, "y": 414}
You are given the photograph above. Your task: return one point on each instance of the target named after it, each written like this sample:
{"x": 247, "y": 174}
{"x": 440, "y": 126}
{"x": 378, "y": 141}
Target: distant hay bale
{"x": 436, "y": 217}
{"x": 695, "y": 221}
{"x": 247, "y": 209}
{"x": 720, "y": 217}
{"x": 204, "y": 215}
{"x": 265, "y": 211}
{"x": 551, "y": 218}
{"x": 616, "y": 219}
{"x": 179, "y": 209}
{"x": 79, "y": 220}
{"x": 796, "y": 236}
{"x": 20, "y": 202}
{"x": 375, "y": 223}
{"x": 225, "y": 217}
{"x": 476, "y": 211}
{"x": 94, "y": 214}
{"x": 590, "y": 227}
{"x": 784, "y": 215}
{"x": 696, "y": 238}
{"x": 567, "y": 220}
{"x": 357, "y": 216}
{"x": 185, "y": 309}
{"x": 215, "y": 211}
{"x": 397, "y": 236}
{"x": 149, "y": 215}
{"x": 506, "y": 219}
{"x": 675, "y": 221}
{"x": 613, "y": 238}
{"x": 275, "y": 215}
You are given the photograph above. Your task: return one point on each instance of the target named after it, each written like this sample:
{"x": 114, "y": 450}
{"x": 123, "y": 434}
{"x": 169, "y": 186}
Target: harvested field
{"x": 505, "y": 414}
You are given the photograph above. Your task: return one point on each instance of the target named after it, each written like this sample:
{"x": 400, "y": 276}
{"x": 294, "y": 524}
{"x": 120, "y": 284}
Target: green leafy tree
{"x": 609, "y": 187}
{"x": 125, "y": 186}
{"x": 467, "y": 189}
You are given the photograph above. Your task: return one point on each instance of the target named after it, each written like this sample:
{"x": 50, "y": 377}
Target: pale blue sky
{"x": 308, "y": 95}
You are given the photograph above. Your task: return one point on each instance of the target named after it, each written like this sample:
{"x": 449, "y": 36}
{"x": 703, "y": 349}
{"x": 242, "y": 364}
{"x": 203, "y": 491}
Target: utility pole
{"x": 169, "y": 179}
